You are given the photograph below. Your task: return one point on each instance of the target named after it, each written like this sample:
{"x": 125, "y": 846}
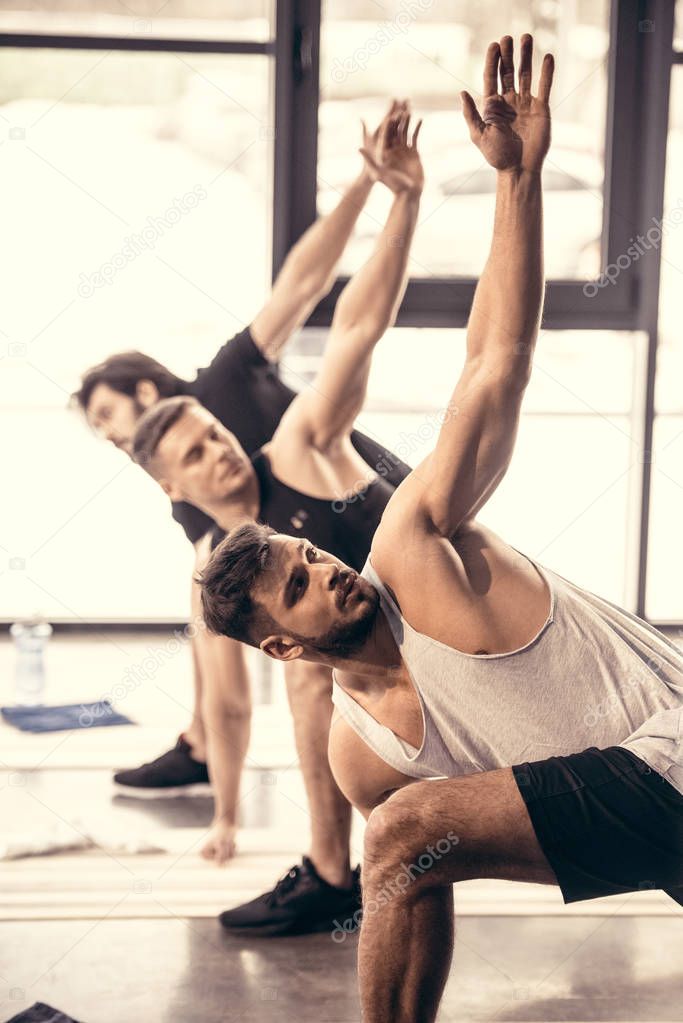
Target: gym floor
{"x": 107, "y": 933}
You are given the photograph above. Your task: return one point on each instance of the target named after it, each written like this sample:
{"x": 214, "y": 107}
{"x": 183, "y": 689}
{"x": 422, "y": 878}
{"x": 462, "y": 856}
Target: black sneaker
{"x": 300, "y": 903}
{"x": 174, "y": 773}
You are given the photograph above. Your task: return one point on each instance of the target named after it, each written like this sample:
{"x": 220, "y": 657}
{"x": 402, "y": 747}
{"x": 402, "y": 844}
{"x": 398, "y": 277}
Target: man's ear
{"x": 171, "y": 490}
{"x": 147, "y": 393}
{"x": 280, "y": 648}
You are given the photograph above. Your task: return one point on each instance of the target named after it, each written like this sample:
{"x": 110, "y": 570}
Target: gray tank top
{"x": 594, "y": 675}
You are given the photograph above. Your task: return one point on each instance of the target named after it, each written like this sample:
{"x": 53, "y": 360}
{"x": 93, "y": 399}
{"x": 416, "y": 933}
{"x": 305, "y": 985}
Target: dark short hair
{"x": 123, "y": 372}
{"x": 227, "y": 583}
{"x": 154, "y": 424}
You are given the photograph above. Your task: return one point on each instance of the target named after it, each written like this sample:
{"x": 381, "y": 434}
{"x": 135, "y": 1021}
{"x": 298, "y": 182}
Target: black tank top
{"x": 344, "y": 529}
{"x": 244, "y": 391}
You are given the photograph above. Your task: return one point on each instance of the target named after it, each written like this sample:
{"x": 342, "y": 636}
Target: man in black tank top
{"x": 243, "y": 389}
{"x": 309, "y": 479}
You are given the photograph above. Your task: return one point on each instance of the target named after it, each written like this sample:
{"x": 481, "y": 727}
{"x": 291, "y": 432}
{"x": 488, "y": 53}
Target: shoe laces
{"x": 285, "y": 884}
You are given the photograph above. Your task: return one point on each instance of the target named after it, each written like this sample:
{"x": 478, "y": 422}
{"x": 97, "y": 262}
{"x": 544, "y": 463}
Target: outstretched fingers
{"x": 471, "y": 115}
{"x": 402, "y": 129}
{"x": 546, "y": 79}
{"x": 507, "y": 65}
{"x": 525, "y": 60}
{"x": 491, "y": 69}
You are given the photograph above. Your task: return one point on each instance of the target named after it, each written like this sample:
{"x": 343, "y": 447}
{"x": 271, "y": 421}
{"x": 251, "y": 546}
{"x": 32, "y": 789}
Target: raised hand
{"x": 514, "y": 131}
{"x": 393, "y": 158}
{"x": 371, "y": 139}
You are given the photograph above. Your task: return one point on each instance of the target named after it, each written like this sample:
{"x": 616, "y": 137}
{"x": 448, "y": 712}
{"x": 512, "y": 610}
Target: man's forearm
{"x": 374, "y": 293}
{"x": 506, "y": 310}
{"x": 227, "y": 741}
{"x": 313, "y": 259}
{"x": 365, "y": 309}
{"x": 308, "y": 272}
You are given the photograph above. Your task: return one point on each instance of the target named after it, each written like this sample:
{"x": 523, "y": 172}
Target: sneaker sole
{"x": 169, "y": 792}
{"x": 286, "y": 930}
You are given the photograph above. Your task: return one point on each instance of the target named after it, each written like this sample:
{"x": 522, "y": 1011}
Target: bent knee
{"x": 403, "y": 828}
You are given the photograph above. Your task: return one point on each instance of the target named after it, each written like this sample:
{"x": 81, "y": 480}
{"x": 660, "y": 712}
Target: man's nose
{"x": 338, "y": 577}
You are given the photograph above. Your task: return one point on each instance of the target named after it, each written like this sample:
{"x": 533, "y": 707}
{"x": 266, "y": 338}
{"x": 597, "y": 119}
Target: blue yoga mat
{"x": 60, "y": 719}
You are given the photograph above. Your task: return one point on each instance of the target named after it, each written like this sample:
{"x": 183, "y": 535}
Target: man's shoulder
{"x": 236, "y": 357}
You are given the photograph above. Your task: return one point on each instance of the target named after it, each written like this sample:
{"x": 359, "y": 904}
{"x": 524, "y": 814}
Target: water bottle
{"x": 30, "y": 638}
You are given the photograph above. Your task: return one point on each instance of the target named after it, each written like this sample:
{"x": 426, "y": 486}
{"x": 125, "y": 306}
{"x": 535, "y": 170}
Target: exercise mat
{"x": 44, "y": 718}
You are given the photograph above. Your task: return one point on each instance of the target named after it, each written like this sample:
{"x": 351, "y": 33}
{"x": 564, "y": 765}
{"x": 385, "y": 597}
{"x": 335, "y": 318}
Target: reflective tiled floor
{"x": 118, "y": 938}
{"x": 182, "y": 971}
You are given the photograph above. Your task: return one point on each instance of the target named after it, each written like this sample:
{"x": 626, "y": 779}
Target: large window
{"x": 159, "y": 161}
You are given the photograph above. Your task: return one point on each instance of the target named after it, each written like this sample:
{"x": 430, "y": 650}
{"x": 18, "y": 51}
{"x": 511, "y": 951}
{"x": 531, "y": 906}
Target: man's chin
{"x": 348, "y": 637}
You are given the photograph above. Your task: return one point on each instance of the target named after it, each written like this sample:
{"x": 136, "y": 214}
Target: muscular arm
{"x": 226, "y": 713}
{"x": 308, "y": 272}
{"x": 366, "y": 308}
{"x": 478, "y": 434}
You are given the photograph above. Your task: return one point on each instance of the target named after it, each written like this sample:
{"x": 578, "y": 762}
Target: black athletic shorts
{"x": 607, "y": 823}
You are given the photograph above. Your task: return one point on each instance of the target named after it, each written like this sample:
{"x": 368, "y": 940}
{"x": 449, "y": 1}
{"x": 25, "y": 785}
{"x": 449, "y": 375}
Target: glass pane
{"x": 136, "y": 214}
{"x": 678, "y": 26}
{"x": 430, "y": 52}
{"x": 572, "y": 487}
{"x": 670, "y": 350}
{"x": 664, "y": 598}
{"x": 664, "y": 601}
{"x": 179, "y": 19}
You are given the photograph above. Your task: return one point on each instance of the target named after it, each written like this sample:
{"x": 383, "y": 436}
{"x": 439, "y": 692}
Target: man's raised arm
{"x": 309, "y": 270}
{"x": 477, "y": 438}
{"x": 368, "y": 305}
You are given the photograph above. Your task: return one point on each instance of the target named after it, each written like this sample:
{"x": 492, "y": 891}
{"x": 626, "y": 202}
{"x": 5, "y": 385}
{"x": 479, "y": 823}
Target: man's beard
{"x": 346, "y": 638}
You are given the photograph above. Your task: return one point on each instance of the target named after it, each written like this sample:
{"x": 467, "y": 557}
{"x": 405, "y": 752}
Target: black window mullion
{"x": 295, "y": 152}
{"x": 56, "y": 41}
{"x": 445, "y": 302}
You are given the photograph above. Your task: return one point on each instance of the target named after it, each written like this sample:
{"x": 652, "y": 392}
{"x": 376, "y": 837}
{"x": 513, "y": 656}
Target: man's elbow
{"x": 442, "y": 518}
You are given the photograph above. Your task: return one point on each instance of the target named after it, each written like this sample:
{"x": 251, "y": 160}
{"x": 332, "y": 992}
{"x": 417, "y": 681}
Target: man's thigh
{"x": 476, "y": 826}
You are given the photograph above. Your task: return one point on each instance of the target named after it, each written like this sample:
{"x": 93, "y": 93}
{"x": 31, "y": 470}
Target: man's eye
{"x": 312, "y": 553}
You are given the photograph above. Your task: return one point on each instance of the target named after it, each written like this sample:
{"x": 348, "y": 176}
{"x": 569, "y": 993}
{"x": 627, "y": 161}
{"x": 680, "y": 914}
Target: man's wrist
{"x": 519, "y": 174}
{"x": 364, "y": 181}
{"x": 412, "y": 194}
{"x": 518, "y": 182}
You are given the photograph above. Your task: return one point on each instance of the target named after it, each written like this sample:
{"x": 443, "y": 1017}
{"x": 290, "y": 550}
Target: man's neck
{"x": 377, "y": 666}
{"x": 242, "y": 507}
